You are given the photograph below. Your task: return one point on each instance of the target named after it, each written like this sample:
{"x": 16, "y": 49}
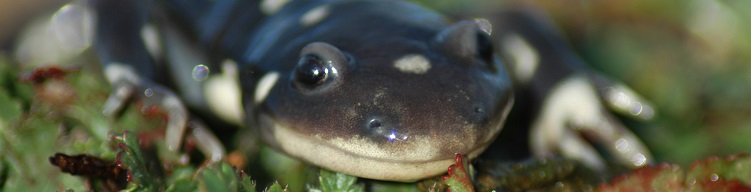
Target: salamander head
{"x": 395, "y": 109}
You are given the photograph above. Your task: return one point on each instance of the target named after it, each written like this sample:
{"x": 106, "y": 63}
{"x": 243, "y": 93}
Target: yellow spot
{"x": 223, "y": 94}
{"x": 269, "y": 7}
{"x": 413, "y": 63}
{"x": 264, "y": 86}
{"x": 525, "y": 59}
{"x": 315, "y": 15}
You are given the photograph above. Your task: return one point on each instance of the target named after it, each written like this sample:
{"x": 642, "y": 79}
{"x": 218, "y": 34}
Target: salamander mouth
{"x": 361, "y": 157}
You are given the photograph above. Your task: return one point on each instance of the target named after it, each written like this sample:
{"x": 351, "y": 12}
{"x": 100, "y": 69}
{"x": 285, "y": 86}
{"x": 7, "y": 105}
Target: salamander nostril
{"x": 480, "y": 113}
{"x": 479, "y": 110}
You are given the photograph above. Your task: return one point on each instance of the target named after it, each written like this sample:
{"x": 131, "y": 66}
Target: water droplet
{"x": 200, "y": 72}
{"x": 714, "y": 177}
{"x": 621, "y": 145}
{"x": 148, "y": 92}
{"x": 636, "y": 108}
{"x": 639, "y": 160}
{"x": 145, "y": 109}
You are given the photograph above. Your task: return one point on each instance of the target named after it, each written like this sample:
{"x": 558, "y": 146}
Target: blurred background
{"x": 690, "y": 58}
{"x": 15, "y": 14}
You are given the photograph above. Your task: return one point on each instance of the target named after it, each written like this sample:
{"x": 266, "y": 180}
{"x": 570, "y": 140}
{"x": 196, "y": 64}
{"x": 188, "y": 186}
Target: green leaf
{"x": 395, "y": 186}
{"x": 214, "y": 179}
{"x": 223, "y": 177}
{"x": 182, "y": 185}
{"x": 181, "y": 176}
{"x": 132, "y": 158}
{"x": 335, "y": 181}
{"x": 276, "y": 188}
{"x": 279, "y": 166}
{"x": 11, "y": 108}
{"x": 246, "y": 183}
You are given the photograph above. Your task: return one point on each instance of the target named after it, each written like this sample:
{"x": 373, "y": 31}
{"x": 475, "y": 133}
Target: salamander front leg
{"x": 153, "y": 96}
{"x": 575, "y": 108}
{"x": 125, "y": 87}
{"x": 131, "y": 70}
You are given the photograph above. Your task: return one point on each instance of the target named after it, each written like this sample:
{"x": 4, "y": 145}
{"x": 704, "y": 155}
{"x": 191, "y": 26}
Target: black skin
{"x": 372, "y": 34}
{"x": 557, "y": 62}
{"x": 410, "y": 94}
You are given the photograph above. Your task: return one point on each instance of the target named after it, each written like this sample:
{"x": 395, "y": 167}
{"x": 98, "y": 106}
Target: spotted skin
{"x": 378, "y": 89}
{"x": 433, "y": 117}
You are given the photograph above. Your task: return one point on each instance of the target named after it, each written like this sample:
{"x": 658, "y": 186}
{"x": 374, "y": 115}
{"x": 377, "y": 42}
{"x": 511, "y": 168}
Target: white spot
{"x": 413, "y": 63}
{"x": 264, "y": 86}
{"x": 269, "y": 7}
{"x": 150, "y": 38}
{"x": 525, "y": 58}
{"x": 120, "y": 72}
{"x": 315, "y": 15}
{"x": 223, "y": 94}
{"x": 229, "y": 67}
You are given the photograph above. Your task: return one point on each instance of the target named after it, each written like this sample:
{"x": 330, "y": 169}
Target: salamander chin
{"x": 403, "y": 161}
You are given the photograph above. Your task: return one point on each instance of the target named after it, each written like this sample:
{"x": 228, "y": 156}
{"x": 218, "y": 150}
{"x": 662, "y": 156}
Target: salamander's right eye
{"x": 311, "y": 71}
{"x": 319, "y": 65}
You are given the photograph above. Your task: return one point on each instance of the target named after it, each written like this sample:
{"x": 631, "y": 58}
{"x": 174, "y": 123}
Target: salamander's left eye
{"x": 319, "y": 66}
{"x": 484, "y": 47}
{"x": 466, "y": 40}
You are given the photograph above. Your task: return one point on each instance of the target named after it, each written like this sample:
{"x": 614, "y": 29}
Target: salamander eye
{"x": 484, "y": 47}
{"x": 311, "y": 71}
{"x": 319, "y": 66}
{"x": 468, "y": 42}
